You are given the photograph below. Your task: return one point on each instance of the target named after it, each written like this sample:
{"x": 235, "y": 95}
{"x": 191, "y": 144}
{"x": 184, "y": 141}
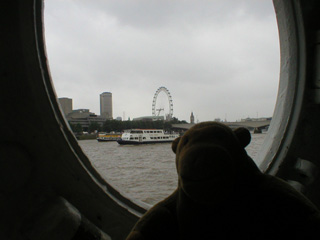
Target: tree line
{"x": 120, "y": 126}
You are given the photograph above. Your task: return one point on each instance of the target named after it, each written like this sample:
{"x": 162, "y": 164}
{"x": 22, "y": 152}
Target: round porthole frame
{"x": 291, "y": 86}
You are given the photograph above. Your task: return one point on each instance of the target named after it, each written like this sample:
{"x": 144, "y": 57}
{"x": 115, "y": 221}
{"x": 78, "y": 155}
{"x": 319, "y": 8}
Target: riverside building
{"x": 66, "y": 105}
{"x": 106, "y": 105}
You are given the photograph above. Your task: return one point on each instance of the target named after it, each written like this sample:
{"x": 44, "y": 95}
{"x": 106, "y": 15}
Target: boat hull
{"x": 106, "y": 140}
{"x": 124, "y": 142}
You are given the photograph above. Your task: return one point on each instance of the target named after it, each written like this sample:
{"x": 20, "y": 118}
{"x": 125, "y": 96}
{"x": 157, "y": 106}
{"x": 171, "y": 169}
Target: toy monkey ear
{"x": 243, "y": 135}
{"x": 174, "y": 144}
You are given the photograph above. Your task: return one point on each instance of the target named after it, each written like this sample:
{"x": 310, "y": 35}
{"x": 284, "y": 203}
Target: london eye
{"x": 155, "y": 110}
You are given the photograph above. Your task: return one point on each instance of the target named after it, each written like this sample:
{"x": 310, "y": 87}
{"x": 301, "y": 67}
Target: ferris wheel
{"x": 154, "y": 103}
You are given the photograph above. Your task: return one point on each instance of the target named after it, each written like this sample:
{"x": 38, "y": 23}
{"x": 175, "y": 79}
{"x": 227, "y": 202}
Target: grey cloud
{"x": 212, "y": 55}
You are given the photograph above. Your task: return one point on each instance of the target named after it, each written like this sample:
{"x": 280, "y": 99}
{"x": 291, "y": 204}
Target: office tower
{"x": 106, "y": 105}
{"x": 66, "y": 105}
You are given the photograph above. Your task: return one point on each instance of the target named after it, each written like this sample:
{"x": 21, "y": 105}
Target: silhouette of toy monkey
{"x": 222, "y": 194}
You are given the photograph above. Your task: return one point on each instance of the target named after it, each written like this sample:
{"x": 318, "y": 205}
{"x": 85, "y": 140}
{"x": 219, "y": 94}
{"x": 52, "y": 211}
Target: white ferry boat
{"x": 146, "y": 136}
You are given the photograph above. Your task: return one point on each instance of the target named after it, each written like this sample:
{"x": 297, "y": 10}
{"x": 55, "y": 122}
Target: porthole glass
{"x": 219, "y": 60}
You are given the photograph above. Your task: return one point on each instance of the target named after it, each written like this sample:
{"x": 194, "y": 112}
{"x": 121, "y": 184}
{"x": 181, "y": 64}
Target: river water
{"x": 144, "y": 172}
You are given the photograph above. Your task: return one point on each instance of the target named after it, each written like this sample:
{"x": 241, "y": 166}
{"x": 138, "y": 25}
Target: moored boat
{"x": 107, "y": 137}
{"x": 146, "y": 136}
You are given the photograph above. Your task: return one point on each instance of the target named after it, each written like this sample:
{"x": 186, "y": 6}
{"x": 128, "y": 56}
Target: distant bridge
{"x": 247, "y": 124}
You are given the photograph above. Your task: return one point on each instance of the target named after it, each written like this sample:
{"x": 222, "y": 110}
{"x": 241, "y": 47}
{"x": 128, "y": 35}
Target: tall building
{"x": 66, "y": 105}
{"x": 106, "y": 105}
{"x": 192, "y": 118}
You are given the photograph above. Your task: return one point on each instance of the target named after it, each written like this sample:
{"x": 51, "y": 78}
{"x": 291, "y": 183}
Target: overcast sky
{"x": 218, "y": 58}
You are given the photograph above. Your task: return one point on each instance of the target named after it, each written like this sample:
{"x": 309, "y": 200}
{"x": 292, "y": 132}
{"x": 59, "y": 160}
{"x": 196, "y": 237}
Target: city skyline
{"x": 219, "y": 59}
{"x": 66, "y": 104}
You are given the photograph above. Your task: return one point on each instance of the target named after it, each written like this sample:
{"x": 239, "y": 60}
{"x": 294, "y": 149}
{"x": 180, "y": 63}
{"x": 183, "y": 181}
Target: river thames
{"x": 144, "y": 172}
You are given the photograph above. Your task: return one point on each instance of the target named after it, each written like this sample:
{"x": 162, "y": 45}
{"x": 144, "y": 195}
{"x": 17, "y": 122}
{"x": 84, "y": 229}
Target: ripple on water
{"x": 144, "y": 172}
